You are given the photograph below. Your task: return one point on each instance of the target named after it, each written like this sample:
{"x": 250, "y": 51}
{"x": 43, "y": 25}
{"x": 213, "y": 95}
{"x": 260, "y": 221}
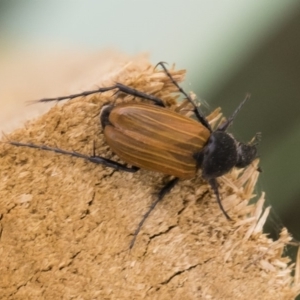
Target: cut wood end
{"x": 66, "y": 222}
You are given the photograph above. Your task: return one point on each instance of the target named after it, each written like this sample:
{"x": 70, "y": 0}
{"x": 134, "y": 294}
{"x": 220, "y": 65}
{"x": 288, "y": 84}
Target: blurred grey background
{"x": 228, "y": 47}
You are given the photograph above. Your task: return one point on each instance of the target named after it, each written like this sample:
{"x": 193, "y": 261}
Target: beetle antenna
{"x": 224, "y": 126}
{"x": 166, "y": 189}
{"x": 214, "y": 185}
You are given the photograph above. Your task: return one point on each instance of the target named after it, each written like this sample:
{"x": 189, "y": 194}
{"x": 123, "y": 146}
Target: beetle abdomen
{"x": 155, "y": 138}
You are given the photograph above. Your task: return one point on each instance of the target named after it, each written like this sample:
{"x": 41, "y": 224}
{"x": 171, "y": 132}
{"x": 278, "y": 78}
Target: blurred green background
{"x": 229, "y": 47}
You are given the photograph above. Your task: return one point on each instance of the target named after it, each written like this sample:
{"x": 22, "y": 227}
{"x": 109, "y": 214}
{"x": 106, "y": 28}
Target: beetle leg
{"x": 214, "y": 185}
{"x": 131, "y": 91}
{"x": 200, "y": 116}
{"x": 94, "y": 159}
{"x": 166, "y": 189}
{"x": 118, "y": 86}
{"x": 83, "y": 94}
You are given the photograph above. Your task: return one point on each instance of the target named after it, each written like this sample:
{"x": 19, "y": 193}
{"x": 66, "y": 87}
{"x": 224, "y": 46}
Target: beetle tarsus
{"x": 166, "y": 189}
{"x": 118, "y": 86}
{"x": 83, "y": 94}
{"x": 94, "y": 159}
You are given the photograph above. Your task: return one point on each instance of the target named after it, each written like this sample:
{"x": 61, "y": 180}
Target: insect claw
{"x": 161, "y": 63}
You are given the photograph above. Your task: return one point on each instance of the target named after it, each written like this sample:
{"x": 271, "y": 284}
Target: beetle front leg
{"x": 214, "y": 185}
{"x": 93, "y": 158}
{"x": 166, "y": 189}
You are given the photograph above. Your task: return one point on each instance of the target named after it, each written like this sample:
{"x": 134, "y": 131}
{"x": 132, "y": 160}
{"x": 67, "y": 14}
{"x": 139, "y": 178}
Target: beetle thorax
{"x": 219, "y": 155}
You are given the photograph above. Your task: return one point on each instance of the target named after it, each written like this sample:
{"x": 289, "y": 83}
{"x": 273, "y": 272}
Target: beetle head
{"x": 246, "y": 154}
{"x": 222, "y": 152}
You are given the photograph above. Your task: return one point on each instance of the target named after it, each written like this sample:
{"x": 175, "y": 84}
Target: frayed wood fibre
{"x": 66, "y": 224}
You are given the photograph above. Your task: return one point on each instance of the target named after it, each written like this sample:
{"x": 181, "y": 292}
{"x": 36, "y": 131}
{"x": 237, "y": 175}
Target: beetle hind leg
{"x": 119, "y": 87}
{"x": 93, "y": 158}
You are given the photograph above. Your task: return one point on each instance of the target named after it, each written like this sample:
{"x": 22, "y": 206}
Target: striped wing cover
{"x": 155, "y": 138}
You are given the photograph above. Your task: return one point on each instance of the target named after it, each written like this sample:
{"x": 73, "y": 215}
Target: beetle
{"x": 156, "y": 138}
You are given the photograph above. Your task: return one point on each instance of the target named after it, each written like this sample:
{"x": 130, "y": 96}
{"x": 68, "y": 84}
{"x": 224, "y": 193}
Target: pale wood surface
{"x": 66, "y": 224}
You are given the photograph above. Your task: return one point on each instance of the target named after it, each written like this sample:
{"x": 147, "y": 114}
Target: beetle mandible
{"x": 156, "y": 138}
